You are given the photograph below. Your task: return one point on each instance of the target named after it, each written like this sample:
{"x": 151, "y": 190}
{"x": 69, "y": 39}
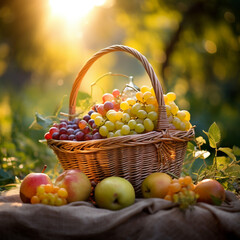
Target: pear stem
{"x": 44, "y": 168}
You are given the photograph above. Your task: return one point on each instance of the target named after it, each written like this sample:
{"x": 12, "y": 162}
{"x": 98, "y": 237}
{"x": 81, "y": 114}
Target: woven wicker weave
{"x": 133, "y": 157}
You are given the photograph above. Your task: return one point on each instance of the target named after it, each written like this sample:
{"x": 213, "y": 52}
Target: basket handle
{"x": 163, "y": 122}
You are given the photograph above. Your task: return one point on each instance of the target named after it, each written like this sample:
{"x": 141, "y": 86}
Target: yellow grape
{"x": 131, "y": 101}
{"x": 124, "y": 105}
{"x": 187, "y": 118}
{"x": 181, "y": 115}
{"x": 150, "y": 108}
{"x": 151, "y": 100}
{"x": 48, "y": 188}
{"x": 35, "y": 200}
{"x": 144, "y": 89}
{"x": 146, "y": 96}
{"x": 153, "y": 92}
{"x": 62, "y": 192}
{"x": 94, "y": 115}
{"x": 118, "y": 125}
{"x": 174, "y": 108}
{"x": 119, "y": 115}
{"x": 171, "y": 96}
{"x": 139, "y": 96}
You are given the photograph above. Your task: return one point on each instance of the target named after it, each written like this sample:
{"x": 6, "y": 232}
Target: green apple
{"x": 114, "y": 193}
{"x": 76, "y": 183}
{"x": 156, "y": 185}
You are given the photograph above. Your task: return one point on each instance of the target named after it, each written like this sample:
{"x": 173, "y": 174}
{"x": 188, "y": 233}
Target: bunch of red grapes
{"x": 74, "y": 130}
{"x": 84, "y": 129}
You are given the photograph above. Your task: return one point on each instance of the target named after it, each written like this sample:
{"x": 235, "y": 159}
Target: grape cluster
{"x": 75, "y": 130}
{"x": 118, "y": 116}
{"x": 181, "y": 191}
{"x": 50, "y": 195}
{"x": 179, "y": 119}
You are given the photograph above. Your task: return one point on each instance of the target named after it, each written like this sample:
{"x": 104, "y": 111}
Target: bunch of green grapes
{"x": 180, "y": 119}
{"x": 50, "y": 195}
{"x": 118, "y": 116}
{"x": 136, "y": 115}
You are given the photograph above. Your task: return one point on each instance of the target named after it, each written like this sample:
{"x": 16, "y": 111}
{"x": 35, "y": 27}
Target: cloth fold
{"x": 146, "y": 219}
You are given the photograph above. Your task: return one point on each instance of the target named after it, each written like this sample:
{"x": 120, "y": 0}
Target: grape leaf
{"x": 214, "y": 135}
{"x": 236, "y": 151}
{"x": 222, "y": 162}
{"x": 229, "y": 152}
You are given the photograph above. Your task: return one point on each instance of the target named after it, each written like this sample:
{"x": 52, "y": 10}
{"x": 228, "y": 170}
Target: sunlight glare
{"x": 73, "y": 11}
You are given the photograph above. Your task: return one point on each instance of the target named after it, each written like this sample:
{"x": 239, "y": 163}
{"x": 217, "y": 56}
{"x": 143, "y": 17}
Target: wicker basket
{"x": 132, "y": 157}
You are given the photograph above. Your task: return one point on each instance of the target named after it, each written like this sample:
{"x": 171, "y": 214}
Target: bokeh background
{"x": 193, "y": 46}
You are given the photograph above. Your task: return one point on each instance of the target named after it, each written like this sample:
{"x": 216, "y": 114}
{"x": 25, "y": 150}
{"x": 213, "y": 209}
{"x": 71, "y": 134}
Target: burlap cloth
{"x": 146, "y": 219}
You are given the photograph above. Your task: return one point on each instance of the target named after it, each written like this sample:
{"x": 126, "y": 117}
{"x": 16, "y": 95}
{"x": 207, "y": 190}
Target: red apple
{"x": 30, "y": 183}
{"x": 76, "y": 183}
{"x": 156, "y": 185}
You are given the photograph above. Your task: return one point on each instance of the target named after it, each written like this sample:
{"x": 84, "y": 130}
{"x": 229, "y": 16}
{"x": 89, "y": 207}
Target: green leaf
{"x": 233, "y": 170}
{"x": 236, "y": 151}
{"x": 214, "y": 132}
{"x": 44, "y": 122}
{"x": 229, "y": 152}
{"x": 214, "y": 135}
{"x": 222, "y": 162}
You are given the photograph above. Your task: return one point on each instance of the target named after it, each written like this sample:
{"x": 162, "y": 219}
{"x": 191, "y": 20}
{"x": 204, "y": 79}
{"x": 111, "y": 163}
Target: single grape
{"x": 171, "y": 96}
{"x": 118, "y": 133}
{"x": 139, "y": 128}
{"x": 152, "y": 115}
{"x": 107, "y": 97}
{"x": 126, "y": 118}
{"x": 111, "y": 115}
{"x": 110, "y": 134}
{"x": 188, "y": 116}
{"x": 45, "y": 201}
{"x": 55, "y": 136}
{"x": 108, "y": 106}
{"x": 131, "y": 101}
{"x": 116, "y": 93}
{"x": 63, "y": 137}
{"x": 118, "y": 125}
{"x": 141, "y": 114}
{"x": 62, "y": 192}
{"x": 35, "y": 200}
{"x": 103, "y": 131}
{"x": 88, "y": 137}
{"x": 152, "y": 91}
{"x": 99, "y": 121}
{"x": 82, "y": 124}
{"x": 47, "y": 136}
{"x": 150, "y": 108}
{"x": 148, "y": 124}
{"x": 40, "y": 189}
{"x": 90, "y": 112}
{"x": 139, "y": 96}
{"x": 146, "y": 95}
{"x": 144, "y": 89}
{"x": 138, "y": 120}
{"x": 119, "y": 115}
{"x": 97, "y": 135}
{"x": 132, "y": 123}
{"x": 110, "y": 125}
{"x": 165, "y": 99}
{"x": 125, "y": 130}
{"x": 174, "y": 108}
{"x": 152, "y": 100}
{"x": 79, "y": 136}
{"x": 70, "y": 131}
{"x": 86, "y": 118}
{"x": 124, "y": 105}
{"x": 86, "y": 130}
{"x": 168, "y": 110}
{"x": 63, "y": 125}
